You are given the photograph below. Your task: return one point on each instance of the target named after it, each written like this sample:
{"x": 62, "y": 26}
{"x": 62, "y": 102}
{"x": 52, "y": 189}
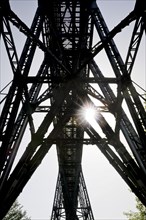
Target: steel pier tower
{"x": 57, "y": 88}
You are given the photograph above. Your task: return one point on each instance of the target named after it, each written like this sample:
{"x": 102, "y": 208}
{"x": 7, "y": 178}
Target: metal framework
{"x": 68, "y": 80}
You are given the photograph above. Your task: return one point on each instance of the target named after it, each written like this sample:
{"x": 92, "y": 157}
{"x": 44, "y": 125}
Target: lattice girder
{"x": 67, "y": 79}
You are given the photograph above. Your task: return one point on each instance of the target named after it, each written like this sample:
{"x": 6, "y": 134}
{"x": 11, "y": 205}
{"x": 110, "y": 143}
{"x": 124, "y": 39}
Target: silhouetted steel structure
{"x": 65, "y": 82}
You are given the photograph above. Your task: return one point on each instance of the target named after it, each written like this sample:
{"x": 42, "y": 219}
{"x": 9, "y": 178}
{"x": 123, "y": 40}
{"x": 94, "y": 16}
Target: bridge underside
{"x": 67, "y": 81}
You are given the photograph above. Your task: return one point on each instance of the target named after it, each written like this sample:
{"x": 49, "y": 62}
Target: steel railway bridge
{"x": 67, "y": 79}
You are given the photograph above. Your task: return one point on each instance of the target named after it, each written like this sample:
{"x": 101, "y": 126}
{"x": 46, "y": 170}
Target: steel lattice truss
{"x": 67, "y": 80}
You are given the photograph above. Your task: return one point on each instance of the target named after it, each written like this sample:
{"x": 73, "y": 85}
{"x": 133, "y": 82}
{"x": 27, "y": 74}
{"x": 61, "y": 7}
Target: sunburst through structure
{"x": 48, "y": 95}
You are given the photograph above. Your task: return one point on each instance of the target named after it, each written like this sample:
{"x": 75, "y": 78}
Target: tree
{"x": 16, "y": 213}
{"x": 140, "y": 214}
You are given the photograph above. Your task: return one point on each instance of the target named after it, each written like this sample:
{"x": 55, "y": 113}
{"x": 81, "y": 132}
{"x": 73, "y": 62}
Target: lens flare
{"x": 89, "y": 114}
{"x": 86, "y": 113}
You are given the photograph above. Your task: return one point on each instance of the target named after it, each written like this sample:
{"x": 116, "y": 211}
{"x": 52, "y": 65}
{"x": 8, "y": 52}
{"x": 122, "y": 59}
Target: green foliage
{"x": 140, "y": 214}
{"x": 16, "y": 213}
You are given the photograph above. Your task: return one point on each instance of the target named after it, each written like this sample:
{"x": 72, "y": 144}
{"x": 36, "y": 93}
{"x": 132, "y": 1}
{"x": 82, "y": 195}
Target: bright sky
{"x": 109, "y": 194}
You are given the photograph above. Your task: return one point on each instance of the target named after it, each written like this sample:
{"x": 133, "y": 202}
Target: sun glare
{"x": 89, "y": 114}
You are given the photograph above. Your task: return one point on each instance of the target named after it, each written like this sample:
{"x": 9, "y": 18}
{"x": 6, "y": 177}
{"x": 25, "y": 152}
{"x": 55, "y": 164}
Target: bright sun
{"x": 89, "y": 114}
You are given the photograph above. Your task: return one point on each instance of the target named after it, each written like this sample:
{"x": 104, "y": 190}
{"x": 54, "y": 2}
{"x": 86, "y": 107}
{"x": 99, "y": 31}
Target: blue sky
{"x": 109, "y": 194}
